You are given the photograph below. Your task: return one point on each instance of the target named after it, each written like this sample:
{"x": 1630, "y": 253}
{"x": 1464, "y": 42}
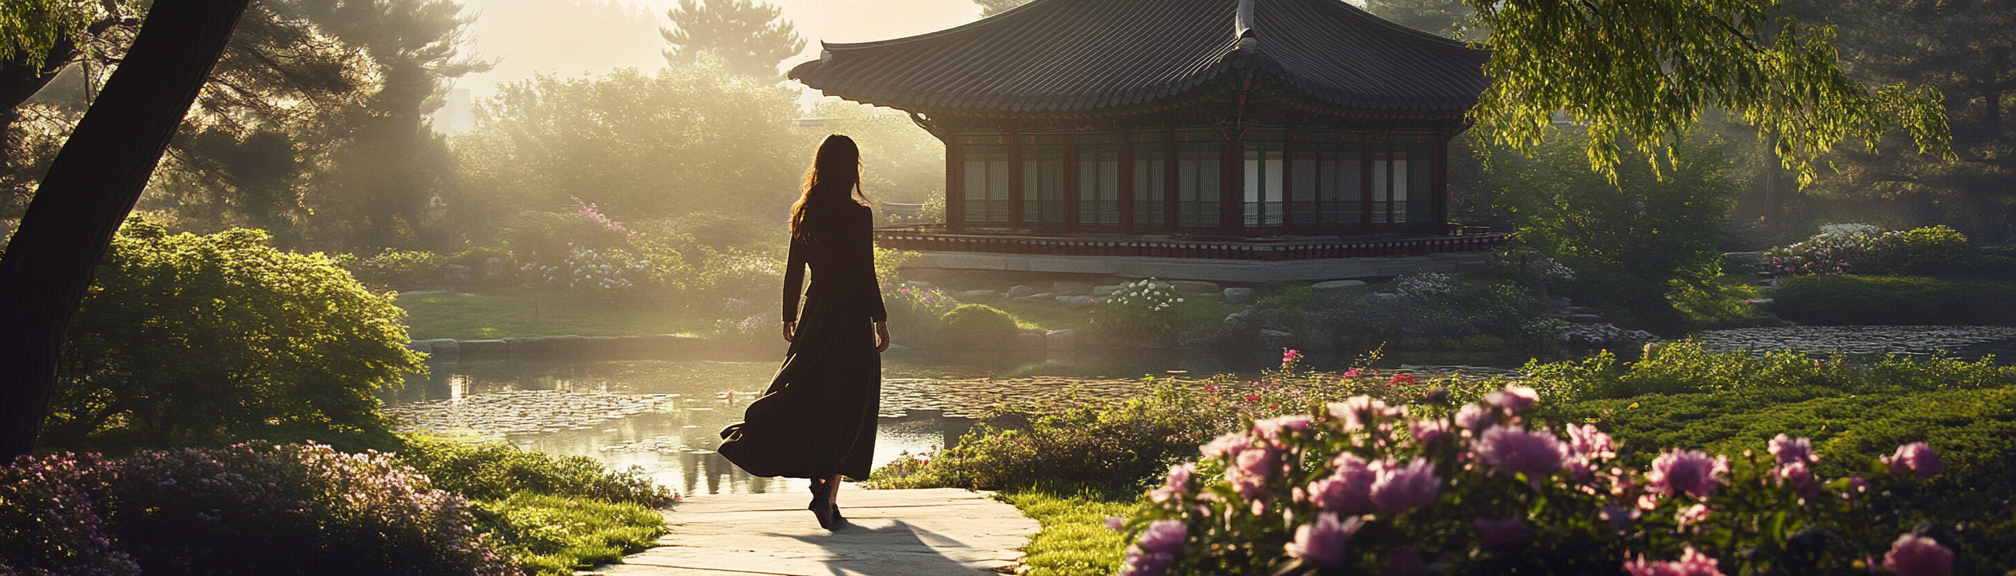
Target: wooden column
{"x": 1126, "y": 183}
{"x": 1365, "y": 187}
{"x": 1015, "y": 215}
{"x": 1438, "y": 188}
{"x": 1231, "y": 185}
{"x": 955, "y": 183}
{"x": 1071, "y": 191}
{"x": 1170, "y": 204}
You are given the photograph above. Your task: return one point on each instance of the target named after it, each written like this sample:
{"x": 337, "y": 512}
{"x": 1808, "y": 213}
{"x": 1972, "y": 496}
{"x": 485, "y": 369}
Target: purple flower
{"x": 1499, "y": 535}
{"x": 1426, "y": 432}
{"x": 1475, "y": 418}
{"x": 1323, "y": 542}
{"x": 1620, "y": 518}
{"x": 1116, "y": 523}
{"x": 1692, "y": 563}
{"x": 1589, "y": 443}
{"x": 1178, "y": 483}
{"x": 1513, "y": 399}
{"x": 1164, "y": 536}
{"x": 1690, "y": 471}
{"x": 1348, "y": 489}
{"x": 1790, "y": 450}
{"x": 1360, "y": 412}
{"x": 1250, "y": 471}
{"x": 1396, "y": 488}
{"x": 1915, "y": 458}
{"x": 1535, "y": 452}
{"x": 1801, "y": 479}
{"x": 1692, "y": 515}
{"x": 1918, "y": 556}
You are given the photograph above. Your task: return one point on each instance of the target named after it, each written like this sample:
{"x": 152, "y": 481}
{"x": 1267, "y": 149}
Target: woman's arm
{"x": 794, "y": 286}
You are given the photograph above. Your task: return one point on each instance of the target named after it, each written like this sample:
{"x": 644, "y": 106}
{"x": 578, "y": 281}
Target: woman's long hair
{"x": 835, "y": 178}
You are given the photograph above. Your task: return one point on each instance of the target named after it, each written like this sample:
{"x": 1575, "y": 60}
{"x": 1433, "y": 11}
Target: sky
{"x": 573, "y": 37}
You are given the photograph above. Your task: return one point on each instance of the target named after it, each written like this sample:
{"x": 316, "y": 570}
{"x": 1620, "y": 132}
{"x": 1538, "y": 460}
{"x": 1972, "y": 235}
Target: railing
{"x": 1467, "y": 240}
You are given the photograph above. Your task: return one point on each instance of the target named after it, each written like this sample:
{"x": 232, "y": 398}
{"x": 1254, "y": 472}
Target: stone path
{"x": 894, "y": 533}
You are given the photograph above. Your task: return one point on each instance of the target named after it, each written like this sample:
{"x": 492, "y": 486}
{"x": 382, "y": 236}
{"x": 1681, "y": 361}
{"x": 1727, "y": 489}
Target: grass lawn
{"x": 1074, "y": 540}
{"x": 512, "y": 313}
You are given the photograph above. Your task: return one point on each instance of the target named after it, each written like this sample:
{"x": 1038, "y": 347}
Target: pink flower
{"x": 1589, "y": 443}
{"x": 1800, "y": 478}
{"x": 1289, "y": 358}
{"x": 1789, "y": 450}
{"x": 1352, "y": 373}
{"x": 1360, "y": 412}
{"x": 1250, "y": 471}
{"x": 1178, "y": 483}
{"x": 1116, "y": 523}
{"x": 1915, "y": 458}
{"x": 1475, "y": 418}
{"x": 1426, "y": 432}
{"x": 1401, "y": 379}
{"x": 1271, "y": 429}
{"x": 1692, "y": 563}
{"x": 1210, "y": 388}
{"x": 1918, "y": 556}
{"x": 1537, "y": 453}
{"x": 1323, "y": 541}
{"x": 1227, "y": 446}
{"x": 1499, "y": 535}
{"x": 1396, "y": 488}
{"x": 1156, "y": 550}
{"x": 1348, "y": 489}
{"x": 1164, "y": 536}
{"x": 1692, "y": 515}
{"x": 1690, "y": 471}
{"x": 1513, "y": 399}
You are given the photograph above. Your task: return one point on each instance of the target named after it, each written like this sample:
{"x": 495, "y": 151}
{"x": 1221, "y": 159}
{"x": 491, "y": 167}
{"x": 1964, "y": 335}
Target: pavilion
{"x": 1220, "y": 129}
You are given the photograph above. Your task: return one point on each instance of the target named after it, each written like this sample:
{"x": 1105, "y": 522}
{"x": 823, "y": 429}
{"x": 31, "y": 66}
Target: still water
{"x": 664, "y": 416}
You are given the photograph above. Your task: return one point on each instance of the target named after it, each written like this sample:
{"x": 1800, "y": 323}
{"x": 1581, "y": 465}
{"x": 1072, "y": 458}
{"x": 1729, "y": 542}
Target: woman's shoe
{"x": 824, "y": 510}
{"x": 838, "y": 520}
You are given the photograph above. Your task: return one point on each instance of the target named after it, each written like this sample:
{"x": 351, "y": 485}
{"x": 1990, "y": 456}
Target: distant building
{"x": 1269, "y": 129}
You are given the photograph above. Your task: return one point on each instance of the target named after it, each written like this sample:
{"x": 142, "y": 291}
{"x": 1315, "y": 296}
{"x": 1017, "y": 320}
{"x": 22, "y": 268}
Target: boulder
{"x": 1107, "y": 290}
{"x": 444, "y": 350}
{"x": 421, "y": 346}
{"x": 1195, "y": 287}
{"x": 1273, "y": 340}
{"x": 1060, "y": 340}
{"x": 1029, "y": 340}
{"x": 1071, "y": 288}
{"x": 1018, "y": 291}
{"x": 978, "y": 295}
{"x": 456, "y": 274}
{"x": 493, "y": 268}
{"x": 1196, "y": 339}
{"x": 1239, "y": 296}
{"x": 1075, "y": 301}
{"x": 1337, "y": 285}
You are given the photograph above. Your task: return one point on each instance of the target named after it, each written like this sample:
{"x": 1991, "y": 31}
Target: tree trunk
{"x": 90, "y": 188}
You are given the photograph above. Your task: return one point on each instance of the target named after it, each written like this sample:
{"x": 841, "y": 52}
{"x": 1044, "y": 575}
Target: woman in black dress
{"x": 817, "y": 419}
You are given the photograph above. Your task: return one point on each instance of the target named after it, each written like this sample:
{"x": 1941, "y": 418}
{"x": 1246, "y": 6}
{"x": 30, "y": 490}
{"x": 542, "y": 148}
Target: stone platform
{"x": 1246, "y": 271}
{"x": 893, "y": 533}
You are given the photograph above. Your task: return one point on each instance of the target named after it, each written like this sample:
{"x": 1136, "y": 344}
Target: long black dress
{"x": 818, "y": 416}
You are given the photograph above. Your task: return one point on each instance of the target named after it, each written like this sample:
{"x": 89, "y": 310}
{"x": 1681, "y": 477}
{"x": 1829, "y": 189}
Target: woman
{"x": 817, "y": 420}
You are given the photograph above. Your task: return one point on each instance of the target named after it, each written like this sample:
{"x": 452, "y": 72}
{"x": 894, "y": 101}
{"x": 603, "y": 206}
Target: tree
{"x": 91, "y": 186}
{"x": 900, "y": 162}
{"x": 989, "y": 8}
{"x": 1439, "y": 17}
{"x": 747, "y": 36}
{"x": 207, "y": 340}
{"x": 1644, "y": 71}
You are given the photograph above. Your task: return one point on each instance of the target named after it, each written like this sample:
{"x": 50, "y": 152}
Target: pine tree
{"x": 747, "y": 36}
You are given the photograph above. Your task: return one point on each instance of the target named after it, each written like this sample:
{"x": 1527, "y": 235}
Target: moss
{"x": 978, "y": 325}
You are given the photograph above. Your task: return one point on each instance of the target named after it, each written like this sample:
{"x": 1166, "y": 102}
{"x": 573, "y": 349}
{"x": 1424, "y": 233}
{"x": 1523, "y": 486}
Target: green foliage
{"x": 1642, "y": 74}
{"x": 550, "y": 237}
{"x": 1438, "y": 17}
{"x": 1427, "y": 311}
{"x": 555, "y": 535}
{"x": 34, "y": 27}
{"x": 1074, "y": 539}
{"x": 1904, "y": 300}
{"x": 394, "y": 269}
{"x": 916, "y": 315}
{"x": 1142, "y": 311}
{"x": 205, "y": 340}
{"x": 1929, "y": 251}
{"x": 1685, "y": 368}
{"x": 747, "y": 36}
{"x": 636, "y": 145}
{"x": 495, "y": 471}
{"x": 978, "y": 325}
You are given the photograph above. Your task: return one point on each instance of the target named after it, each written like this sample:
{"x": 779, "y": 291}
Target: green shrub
{"x": 395, "y": 269}
{"x": 554, "y": 535}
{"x": 548, "y": 237}
{"x": 979, "y": 326}
{"x": 1936, "y": 250}
{"x": 1848, "y": 299}
{"x": 1629, "y": 301}
{"x": 916, "y": 315}
{"x": 496, "y": 471}
{"x": 1145, "y": 310}
{"x": 188, "y": 340}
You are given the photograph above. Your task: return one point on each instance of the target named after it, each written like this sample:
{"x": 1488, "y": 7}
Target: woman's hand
{"x": 790, "y": 328}
{"x": 881, "y": 336}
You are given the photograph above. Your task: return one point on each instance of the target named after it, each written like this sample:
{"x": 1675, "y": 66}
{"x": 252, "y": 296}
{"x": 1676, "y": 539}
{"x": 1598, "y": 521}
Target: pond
{"x": 664, "y": 416}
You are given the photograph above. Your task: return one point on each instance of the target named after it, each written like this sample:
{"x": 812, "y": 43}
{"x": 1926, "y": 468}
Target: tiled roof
{"x": 1083, "y": 55}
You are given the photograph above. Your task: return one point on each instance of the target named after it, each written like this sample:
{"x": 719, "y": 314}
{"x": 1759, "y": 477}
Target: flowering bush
{"x": 1140, "y": 310}
{"x": 916, "y": 314}
{"x": 1359, "y": 486}
{"x": 245, "y": 509}
{"x": 609, "y": 271}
